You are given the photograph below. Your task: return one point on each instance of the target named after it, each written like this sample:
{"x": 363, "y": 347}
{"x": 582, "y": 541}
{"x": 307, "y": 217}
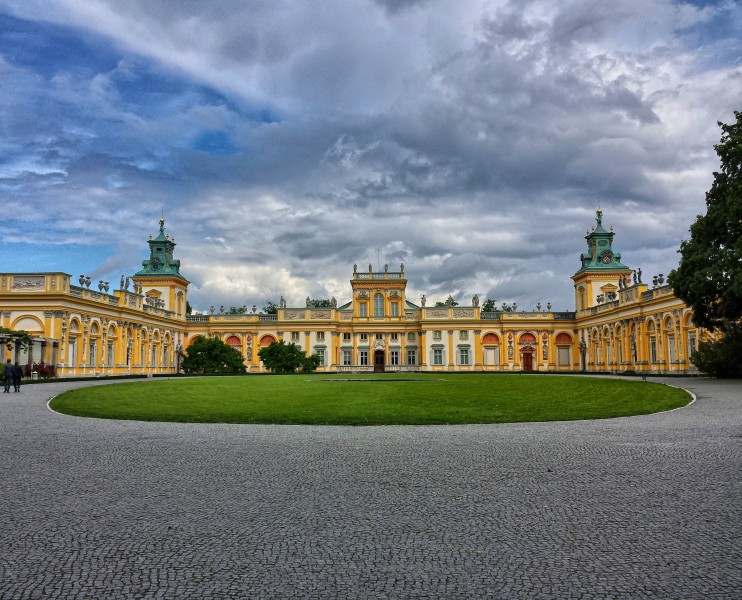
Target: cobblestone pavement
{"x": 639, "y": 507}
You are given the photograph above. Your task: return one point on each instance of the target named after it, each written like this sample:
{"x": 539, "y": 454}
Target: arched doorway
{"x": 527, "y": 344}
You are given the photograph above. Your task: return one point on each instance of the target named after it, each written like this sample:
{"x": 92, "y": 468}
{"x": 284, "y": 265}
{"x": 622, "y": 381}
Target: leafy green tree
{"x": 709, "y": 278}
{"x": 320, "y": 303}
{"x": 189, "y": 308}
{"x": 285, "y": 359}
{"x": 488, "y": 305}
{"x": 19, "y": 338}
{"x": 271, "y": 308}
{"x": 211, "y": 356}
{"x": 449, "y": 302}
{"x": 236, "y": 310}
{"x": 720, "y": 358}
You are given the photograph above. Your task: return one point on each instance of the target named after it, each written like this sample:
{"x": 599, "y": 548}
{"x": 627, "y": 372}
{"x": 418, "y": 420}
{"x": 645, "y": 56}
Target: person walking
{"x": 17, "y": 376}
{"x": 7, "y": 376}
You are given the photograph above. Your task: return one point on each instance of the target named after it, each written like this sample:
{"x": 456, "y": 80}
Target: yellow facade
{"x": 619, "y": 325}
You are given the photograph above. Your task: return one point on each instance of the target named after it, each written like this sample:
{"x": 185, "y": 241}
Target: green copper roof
{"x": 161, "y": 262}
{"x": 600, "y": 255}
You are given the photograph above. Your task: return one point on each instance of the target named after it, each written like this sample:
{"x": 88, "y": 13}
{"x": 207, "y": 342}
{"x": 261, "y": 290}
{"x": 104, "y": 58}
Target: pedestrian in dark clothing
{"x": 17, "y": 376}
{"x": 7, "y": 376}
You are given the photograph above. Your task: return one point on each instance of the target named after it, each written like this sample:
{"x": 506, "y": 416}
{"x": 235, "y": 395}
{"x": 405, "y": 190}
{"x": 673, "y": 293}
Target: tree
{"x": 285, "y": 359}
{"x": 709, "y": 278}
{"x": 449, "y": 302}
{"x": 19, "y": 338}
{"x": 237, "y": 310}
{"x": 271, "y": 308}
{"x": 211, "y": 356}
{"x": 189, "y": 309}
{"x": 488, "y": 305}
{"x": 720, "y": 358}
{"x": 320, "y": 303}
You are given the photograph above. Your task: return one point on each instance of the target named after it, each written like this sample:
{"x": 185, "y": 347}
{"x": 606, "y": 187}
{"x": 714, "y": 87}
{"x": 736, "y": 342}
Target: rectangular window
{"x": 320, "y": 336}
{"x": 411, "y": 336}
{"x": 671, "y": 348}
{"x": 363, "y": 358}
{"x": 294, "y": 336}
{"x": 379, "y": 336}
{"x": 653, "y": 349}
{"x": 364, "y": 337}
{"x": 437, "y": 356}
{"x": 411, "y": 357}
{"x": 346, "y": 336}
{"x": 165, "y": 357}
{"x": 463, "y": 335}
{"x": 691, "y": 344}
{"x": 395, "y": 309}
{"x": 321, "y": 353}
{"x": 395, "y": 337}
{"x": 464, "y": 356}
{"x": 91, "y": 354}
{"x": 436, "y": 335}
{"x": 362, "y": 309}
{"x": 347, "y": 358}
{"x": 109, "y": 354}
{"x": 394, "y": 357}
{"x": 563, "y": 358}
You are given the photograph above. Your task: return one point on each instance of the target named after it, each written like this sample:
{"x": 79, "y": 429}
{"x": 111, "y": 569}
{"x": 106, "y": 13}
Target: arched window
{"x": 378, "y": 305}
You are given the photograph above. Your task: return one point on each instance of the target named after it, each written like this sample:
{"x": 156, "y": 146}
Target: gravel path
{"x": 638, "y": 507}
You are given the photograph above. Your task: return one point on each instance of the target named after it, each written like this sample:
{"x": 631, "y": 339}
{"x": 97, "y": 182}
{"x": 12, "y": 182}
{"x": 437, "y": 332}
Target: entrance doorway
{"x": 527, "y": 360}
{"x": 378, "y": 361}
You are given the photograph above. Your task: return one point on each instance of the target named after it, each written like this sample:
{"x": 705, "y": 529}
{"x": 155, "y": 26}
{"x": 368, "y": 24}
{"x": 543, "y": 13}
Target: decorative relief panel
{"x": 28, "y": 284}
{"x": 294, "y": 314}
{"x": 436, "y": 314}
{"x": 463, "y": 313}
{"x": 394, "y": 294}
{"x": 363, "y": 294}
{"x": 346, "y": 316}
{"x": 320, "y": 314}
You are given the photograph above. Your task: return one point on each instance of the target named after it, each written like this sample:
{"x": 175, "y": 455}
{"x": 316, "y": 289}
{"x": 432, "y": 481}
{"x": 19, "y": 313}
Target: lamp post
{"x": 583, "y": 352}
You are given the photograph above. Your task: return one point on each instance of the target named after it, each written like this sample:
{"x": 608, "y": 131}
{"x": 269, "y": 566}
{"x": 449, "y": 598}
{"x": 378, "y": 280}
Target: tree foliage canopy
{"x": 284, "y": 358}
{"x": 319, "y": 303}
{"x": 448, "y": 302}
{"x": 489, "y": 305}
{"x": 709, "y": 278}
{"x": 17, "y": 337}
{"x": 211, "y": 356}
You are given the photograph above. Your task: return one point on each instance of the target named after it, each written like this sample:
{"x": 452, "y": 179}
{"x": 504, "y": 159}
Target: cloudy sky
{"x": 286, "y": 140}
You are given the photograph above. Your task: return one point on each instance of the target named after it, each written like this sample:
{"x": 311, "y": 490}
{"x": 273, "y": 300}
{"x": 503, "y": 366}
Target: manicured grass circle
{"x": 366, "y": 400}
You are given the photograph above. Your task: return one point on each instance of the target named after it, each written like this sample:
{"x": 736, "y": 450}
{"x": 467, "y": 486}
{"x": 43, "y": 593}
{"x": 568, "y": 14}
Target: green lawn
{"x": 372, "y": 400}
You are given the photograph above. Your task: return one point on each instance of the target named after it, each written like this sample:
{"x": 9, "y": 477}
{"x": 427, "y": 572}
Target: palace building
{"x": 619, "y": 324}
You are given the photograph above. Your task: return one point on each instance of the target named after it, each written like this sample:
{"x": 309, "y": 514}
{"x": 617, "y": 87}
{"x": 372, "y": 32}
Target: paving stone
{"x": 637, "y": 507}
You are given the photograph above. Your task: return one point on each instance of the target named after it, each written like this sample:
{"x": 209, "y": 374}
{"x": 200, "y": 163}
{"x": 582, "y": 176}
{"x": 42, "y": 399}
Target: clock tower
{"x": 598, "y": 279}
{"x": 160, "y": 277}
